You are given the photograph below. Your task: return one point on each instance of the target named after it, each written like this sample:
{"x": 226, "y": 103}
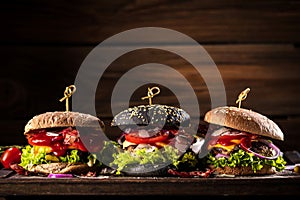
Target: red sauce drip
{"x": 59, "y": 142}
{"x": 226, "y": 140}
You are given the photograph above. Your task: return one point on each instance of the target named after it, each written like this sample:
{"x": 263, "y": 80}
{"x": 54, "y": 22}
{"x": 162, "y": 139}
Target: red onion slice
{"x": 266, "y": 142}
{"x": 221, "y": 155}
{"x": 120, "y": 139}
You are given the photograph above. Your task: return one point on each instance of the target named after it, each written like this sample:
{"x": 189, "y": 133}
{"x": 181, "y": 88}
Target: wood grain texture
{"x": 90, "y": 22}
{"x": 253, "y": 44}
{"x": 139, "y": 186}
{"x": 271, "y": 71}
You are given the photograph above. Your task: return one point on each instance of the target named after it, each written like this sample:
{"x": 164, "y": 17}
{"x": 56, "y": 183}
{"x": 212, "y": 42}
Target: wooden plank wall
{"x": 253, "y": 43}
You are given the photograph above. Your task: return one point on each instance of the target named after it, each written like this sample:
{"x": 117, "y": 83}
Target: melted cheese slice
{"x": 228, "y": 148}
{"x": 38, "y": 149}
{"x": 127, "y": 144}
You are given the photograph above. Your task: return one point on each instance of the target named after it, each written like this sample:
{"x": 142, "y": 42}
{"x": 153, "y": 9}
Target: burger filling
{"x": 233, "y": 148}
{"x": 56, "y": 141}
{"x": 151, "y": 146}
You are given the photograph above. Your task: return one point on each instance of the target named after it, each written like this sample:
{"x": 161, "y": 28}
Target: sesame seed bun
{"x": 62, "y": 119}
{"x": 155, "y": 114}
{"x": 244, "y": 120}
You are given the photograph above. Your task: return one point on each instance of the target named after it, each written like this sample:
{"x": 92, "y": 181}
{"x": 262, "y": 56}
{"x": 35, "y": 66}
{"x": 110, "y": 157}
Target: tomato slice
{"x": 162, "y": 136}
{"x": 11, "y": 156}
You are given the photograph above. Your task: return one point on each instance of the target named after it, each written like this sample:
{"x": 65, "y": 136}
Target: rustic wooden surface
{"x": 254, "y": 44}
{"x": 287, "y": 186}
{"x": 93, "y": 21}
{"x": 272, "y": 73}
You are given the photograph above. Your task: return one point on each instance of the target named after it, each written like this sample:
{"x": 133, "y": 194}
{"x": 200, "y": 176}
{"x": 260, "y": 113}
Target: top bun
{"x": 143, "y": 115}
{"x": 62, "y": 119}
{"x": 244, "y": 120}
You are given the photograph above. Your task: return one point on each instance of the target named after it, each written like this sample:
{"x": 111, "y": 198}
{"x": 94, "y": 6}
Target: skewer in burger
{"x": 61, "y": 142}
{"x": 151, "y": 138}
{"x": 57, "y": 144}
{"x": 240, "y": 142}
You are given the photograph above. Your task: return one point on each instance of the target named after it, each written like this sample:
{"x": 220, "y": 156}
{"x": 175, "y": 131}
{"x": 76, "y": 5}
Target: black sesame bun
{"x": 153, "y": 128}
{"x": 158, "y": 115}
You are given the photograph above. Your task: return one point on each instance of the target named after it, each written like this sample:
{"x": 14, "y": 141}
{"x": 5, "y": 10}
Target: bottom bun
{"x": 62, "y": 168}
{"x": 146, "y": 170}
{"x": 243, "y": 171}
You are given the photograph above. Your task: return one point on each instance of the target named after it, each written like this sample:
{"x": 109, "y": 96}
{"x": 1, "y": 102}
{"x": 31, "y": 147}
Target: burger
{"x": 150, "y": 139}
{"x": 239, "y": 142}
{"x": 61, "y": 142}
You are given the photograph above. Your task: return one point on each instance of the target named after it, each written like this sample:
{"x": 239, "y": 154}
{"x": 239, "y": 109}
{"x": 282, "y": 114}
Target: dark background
{"x": 253, "y": 43}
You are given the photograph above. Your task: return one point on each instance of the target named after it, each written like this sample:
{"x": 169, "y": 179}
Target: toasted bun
{"x": 244, "y": 171}
{"x": 146, "y": 170}
{"x": 164, "y": 115}
{"x": 244, "y": 120}
{"x": 62, "y": 168}
{"x": 62, "y": 119}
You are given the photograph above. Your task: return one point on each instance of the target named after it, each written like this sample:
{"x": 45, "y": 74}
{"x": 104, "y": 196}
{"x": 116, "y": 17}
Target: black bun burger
{"x": 152, "y": 137}
{"x": 57, "y": 144}
{"x": 239, "y": 142}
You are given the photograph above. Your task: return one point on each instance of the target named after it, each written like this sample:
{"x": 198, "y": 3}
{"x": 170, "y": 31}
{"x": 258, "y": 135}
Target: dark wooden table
{"x": 275, "y": 185}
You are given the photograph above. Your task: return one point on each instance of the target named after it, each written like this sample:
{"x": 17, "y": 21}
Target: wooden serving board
{"x": 279, "y": 184}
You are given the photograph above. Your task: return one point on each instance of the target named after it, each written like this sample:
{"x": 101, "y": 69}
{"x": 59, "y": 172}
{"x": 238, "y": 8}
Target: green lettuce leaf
{"x": 30, "y": 158}
{"x": 243, "y": 158}
{"x": 188, "y": 161}
{"x": 123, "y": 159}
